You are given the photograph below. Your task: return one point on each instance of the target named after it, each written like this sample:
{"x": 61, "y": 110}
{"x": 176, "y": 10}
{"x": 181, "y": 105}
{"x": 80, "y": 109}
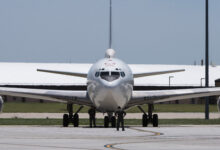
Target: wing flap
{"x": 63, "y": 96}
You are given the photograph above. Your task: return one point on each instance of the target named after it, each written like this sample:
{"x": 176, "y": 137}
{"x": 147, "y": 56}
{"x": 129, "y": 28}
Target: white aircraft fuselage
{"x": 110, "y": 84}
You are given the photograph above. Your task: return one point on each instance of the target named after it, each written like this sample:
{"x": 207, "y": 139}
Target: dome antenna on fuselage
{"x": 110, "y": 53}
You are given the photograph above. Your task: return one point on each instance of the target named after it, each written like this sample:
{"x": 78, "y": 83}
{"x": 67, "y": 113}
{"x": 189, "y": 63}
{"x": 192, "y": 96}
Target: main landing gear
{"x": 149, "y": 118}
{"x": 110, "y": 119}
{"x": 71, "y": 118}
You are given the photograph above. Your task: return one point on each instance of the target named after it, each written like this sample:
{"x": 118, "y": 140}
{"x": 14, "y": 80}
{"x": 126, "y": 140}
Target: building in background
{"x": 24, "y": 75}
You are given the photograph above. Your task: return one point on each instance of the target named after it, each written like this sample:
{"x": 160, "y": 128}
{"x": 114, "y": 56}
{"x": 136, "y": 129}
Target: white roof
{"x": 26, "y": 74}
{"x": 190, "y": 77}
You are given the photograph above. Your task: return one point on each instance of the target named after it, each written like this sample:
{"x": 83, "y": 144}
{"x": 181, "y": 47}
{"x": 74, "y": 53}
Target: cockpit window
{"x": 122, "y": 74}
{"x": 97, "y": 74}
{"x": 115, "y": 75}
{"x": 104, "y": 75}
{"x": 110, "y": 76}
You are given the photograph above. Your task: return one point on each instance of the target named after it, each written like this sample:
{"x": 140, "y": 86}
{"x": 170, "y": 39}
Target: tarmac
{"x": 200, "y": 137}
{"x": 168, "y": 115}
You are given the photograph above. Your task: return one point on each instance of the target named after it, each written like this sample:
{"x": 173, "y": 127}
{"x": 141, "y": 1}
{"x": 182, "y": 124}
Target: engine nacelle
{"x": 1, "y": 104}
{"x": 218, "y": 104}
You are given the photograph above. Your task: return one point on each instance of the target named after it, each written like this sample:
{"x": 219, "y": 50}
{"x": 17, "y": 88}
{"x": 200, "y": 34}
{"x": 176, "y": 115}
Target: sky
{"x": 76, "y": 31}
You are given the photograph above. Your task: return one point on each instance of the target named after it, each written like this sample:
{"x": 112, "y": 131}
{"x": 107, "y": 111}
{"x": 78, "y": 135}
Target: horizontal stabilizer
{"x": 144, "y": 74}
{"x": 77, "y": 74}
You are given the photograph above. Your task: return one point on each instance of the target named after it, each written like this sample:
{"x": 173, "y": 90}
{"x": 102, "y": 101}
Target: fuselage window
{"x": 122, "y": 74}
{"x": 97, "y": 74}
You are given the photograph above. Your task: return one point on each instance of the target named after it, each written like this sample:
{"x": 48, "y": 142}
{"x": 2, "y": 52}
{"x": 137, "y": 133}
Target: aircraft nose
{"x": 110, "y": 96}
{"x": 110, "y": 85}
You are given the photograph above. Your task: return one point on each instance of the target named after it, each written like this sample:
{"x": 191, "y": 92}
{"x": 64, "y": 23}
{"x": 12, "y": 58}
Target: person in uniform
{"x": 1, "y": 104}
{"x": 218, "y": 104}
{"x": 92, "y": 119}
{"x": 120, "y": 114}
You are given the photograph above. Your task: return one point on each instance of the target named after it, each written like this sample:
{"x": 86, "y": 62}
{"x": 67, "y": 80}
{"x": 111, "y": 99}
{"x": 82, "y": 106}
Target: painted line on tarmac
{"x": 112, "y": 146}
{"x": 141, "y": 130}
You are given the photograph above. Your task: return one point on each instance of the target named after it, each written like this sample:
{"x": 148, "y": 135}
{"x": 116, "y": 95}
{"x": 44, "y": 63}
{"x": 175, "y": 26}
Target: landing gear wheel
{"x": 76, "y": 120}
{"x": 144, "y": 120}
{"x": 155, "y": 120}
{"x": 113, "y": 121}
{"x": 106, "y": 122}
{"x": 65, "y": 120}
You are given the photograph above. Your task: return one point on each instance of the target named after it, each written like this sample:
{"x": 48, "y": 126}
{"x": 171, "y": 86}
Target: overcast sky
{"x": 144, "y": 31}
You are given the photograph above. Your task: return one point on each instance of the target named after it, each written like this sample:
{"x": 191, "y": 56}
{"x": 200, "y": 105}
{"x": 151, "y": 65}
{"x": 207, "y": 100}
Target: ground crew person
{"x": 1, "y": 104}
{"x": 218, "y": 104}
{"x": 120, "y": 114}
{"x": 92, "y": 117}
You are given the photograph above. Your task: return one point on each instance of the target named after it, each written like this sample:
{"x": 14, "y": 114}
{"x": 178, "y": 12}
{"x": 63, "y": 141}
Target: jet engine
{"x": 218, "y": 104}
{"x": 1, "y": 104}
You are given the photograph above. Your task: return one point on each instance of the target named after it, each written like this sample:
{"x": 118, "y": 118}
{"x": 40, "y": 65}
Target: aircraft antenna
{"x": 110, "y": 24}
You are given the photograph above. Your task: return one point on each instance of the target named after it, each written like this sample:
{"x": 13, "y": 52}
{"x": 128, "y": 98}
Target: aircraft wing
{"x": 157, "y": 96}
{"x": 63, "y": 96}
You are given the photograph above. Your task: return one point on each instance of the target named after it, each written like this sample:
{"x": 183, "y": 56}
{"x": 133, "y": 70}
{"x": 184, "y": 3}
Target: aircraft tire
{"x": 76, "y": 120}
{"x": 144, "y": 120}
{"x": 155, "y": 120}
{"x": 65, "y": 120}
{"x": 106, "y": 122}
{"x": 113, "y": 121}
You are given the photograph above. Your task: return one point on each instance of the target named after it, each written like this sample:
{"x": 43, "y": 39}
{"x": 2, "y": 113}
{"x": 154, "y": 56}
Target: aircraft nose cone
{"x": 110, "y": 96}
{"x": 110, "y": 85}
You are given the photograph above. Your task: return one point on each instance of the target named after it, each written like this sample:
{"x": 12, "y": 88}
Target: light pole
{"x": 207, "y": 56}
{"x": 201, "y": 81}
{"x": 170, "y": 79}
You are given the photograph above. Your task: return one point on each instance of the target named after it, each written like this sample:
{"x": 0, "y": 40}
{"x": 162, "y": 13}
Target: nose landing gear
{"x": 110, "y": 119}
{"x": 149, "y": 118}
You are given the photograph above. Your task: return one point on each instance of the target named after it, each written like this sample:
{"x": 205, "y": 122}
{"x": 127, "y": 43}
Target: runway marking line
{"x": 108, "y": 146}
{"x": 111, "y": 146}
{"x": 155, "y": 133}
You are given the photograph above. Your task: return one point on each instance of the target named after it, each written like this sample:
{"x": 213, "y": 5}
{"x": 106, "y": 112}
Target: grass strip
{"x": 19, "y": 121}
{"x": 61, "y": 108}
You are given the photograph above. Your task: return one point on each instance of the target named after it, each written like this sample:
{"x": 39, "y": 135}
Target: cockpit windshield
{"x": 110, "y": 76}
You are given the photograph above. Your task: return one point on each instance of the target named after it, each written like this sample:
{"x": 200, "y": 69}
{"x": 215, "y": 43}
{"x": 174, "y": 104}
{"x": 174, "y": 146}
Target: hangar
{"x": 25, "y": 75}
